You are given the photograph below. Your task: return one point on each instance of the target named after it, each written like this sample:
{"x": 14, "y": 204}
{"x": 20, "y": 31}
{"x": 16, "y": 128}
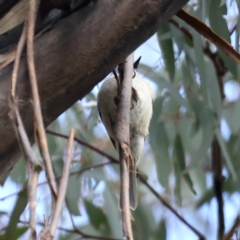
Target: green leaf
{"x": 162, "y": 83}
{"x": 213, "y": 88}
{"x": 20, "y": 205}
{"x": 197, "y": 42}
{"x": 18, "y": 173}
{"x": 112, "y": 212}
{"x": 178, "y": 36}
{"x": 178, "y": 178}
{"x": 226, "y": 154}
{"x": 222, "y": 2}
{"x": 206, "y": 122}
{"x": 219, "y": 25}
{"x": 234, "y": 152}
{"x": 231, "y": 113}
{"x": 160, "y": 144}
{"x": 166, "y": 46}
{"x": 178, "y": 154}
{"x": 206, "y": 198}
{"x": 97, "y": 218}
{"x": 161, "y": 232}
{"x": 144, "y": 224}
{"x": 17, "y": 233}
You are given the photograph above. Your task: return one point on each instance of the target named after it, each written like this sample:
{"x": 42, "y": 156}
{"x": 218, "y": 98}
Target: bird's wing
{"x": 113, "y": 142}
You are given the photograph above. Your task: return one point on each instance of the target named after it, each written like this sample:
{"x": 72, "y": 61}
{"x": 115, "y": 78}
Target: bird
{"x": 140, "y": 116}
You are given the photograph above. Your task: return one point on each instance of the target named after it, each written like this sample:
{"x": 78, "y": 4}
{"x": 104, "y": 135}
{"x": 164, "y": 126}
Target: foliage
{"x": 189, "y": 113}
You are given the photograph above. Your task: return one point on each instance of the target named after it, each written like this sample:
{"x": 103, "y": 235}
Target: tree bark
{"x": 73, "y": 56}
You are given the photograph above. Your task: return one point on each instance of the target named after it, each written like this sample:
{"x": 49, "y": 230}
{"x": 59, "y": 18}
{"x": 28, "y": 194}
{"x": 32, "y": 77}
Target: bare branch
{"x": 232, "y": 229}
{"x": 63, "y": 185}
{"x": 32, "y": 191}
{"x": 36, "y": 101}
{"x": 218, "y": 185}
{"x": 85, "y": 144}
{"x": 122, "y": 136}
{"x": 205, "y": 31}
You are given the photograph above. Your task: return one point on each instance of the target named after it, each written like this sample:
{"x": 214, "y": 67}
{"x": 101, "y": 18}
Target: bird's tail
{"x": 133, "y": 194}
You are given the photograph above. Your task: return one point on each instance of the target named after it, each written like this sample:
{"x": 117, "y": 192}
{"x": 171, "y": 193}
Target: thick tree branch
{"x": 75, "y": 54}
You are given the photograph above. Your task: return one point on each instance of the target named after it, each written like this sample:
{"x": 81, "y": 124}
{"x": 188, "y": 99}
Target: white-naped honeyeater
{"x": 140, "y": 116}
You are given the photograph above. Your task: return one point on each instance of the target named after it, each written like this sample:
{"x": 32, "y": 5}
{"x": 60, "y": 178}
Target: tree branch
{"x": 73, "y": 55}
{"x": 62, "y": 186}
{"x": 122, "y": 135}
{"x": 38, "y": 119}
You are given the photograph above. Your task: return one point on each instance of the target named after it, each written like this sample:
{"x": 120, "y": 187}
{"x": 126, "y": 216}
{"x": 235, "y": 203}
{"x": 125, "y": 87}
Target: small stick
{"x": 32, "y": 191}
{"x": 63, "y": 185}
{"x": 36, "y": 101}
{"x": 232, "y": 229}
{"x": 122, "y": 136}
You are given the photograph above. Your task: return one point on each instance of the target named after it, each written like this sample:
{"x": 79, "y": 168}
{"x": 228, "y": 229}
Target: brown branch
{"x": 232, "y": 229}
{"x": 122, "y": 135}
{"x": 36, "y": 101}
{"x": 218, "y": 185}
{"x": 62, "y": 186}
{"x": 75, "y": 230}
{"x": 81, "y": 142}
{"x": 32, "y": 191}
{"x": 14, "y": 114}
{"x": 205, "y": 31}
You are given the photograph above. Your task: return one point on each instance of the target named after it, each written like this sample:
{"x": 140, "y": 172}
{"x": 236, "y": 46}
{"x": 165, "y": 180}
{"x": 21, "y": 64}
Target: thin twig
{"x": 232, "y": 229}
{"x": 85, "y": 144}
{"x": 159, "y": 197}
{"x": 123, "y": 140}
{"x": 79, "y": 172}
{"x": 22, "y": 137}
{"x": 36, "y": 101}
{"x": 32, "y": 191}
{"x": 83, "y": 235}
{"x": 218, "y": 185}
{"x": 63, "y": 185}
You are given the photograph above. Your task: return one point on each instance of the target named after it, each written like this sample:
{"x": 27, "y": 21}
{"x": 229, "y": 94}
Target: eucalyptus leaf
{"x": 161, "y": 232}
{"x": 231, "y": 112}
{"x": 112, "y": 213}
{"x": 226, "y": 154}
{"x": 159, "y": 143}
{"x": 97, "y": 218}
{"x": 166, "y": 46}
{"x": 219, "y": 25}
{"x": 179, "y": 158}
{"x": 20, "y": 205}
{"x": 163, "y": 84}
{"x": 18, "y": 232}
